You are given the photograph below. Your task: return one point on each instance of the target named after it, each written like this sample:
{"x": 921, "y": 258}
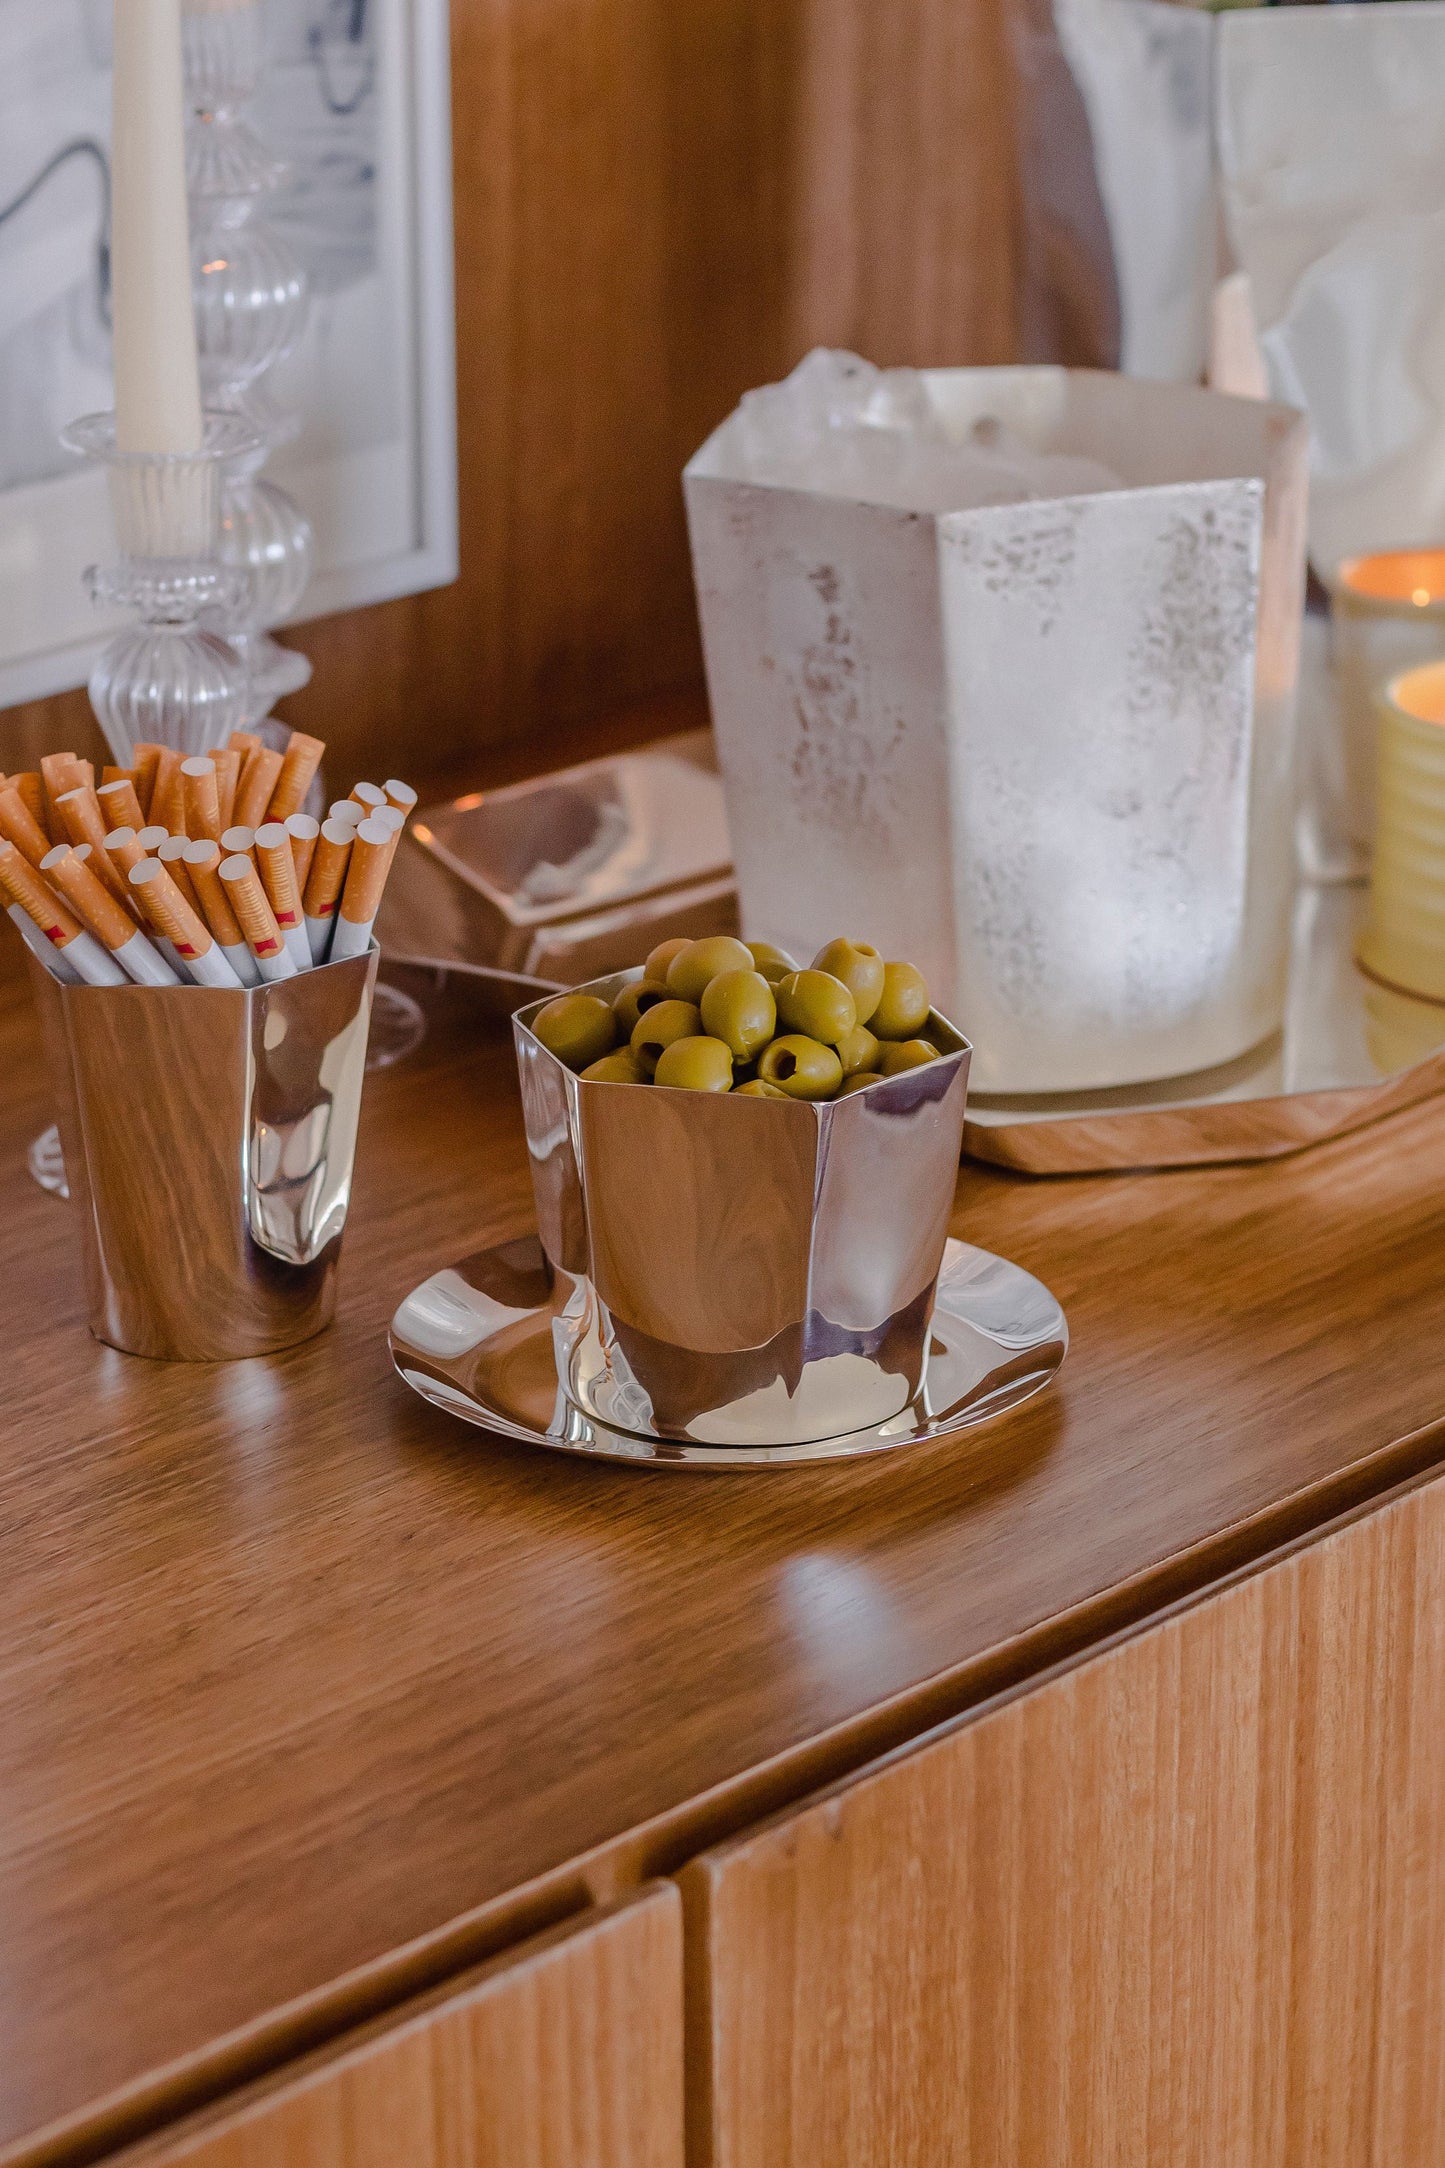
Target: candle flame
{"x": 217, "y": 263}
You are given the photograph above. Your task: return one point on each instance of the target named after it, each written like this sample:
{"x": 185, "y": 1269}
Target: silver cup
{"x": 209, "y": 1139}
{"x": 743, "y": 1271}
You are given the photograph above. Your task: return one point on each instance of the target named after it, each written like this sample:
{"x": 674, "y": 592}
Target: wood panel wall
{"x": 658, "y": 204}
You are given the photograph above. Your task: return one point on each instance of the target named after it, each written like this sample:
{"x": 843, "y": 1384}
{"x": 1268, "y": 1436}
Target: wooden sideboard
{"x": 373, "y": 1791}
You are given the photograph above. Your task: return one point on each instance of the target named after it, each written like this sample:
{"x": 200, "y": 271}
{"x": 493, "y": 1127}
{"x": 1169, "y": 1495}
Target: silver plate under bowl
{"x": 481, "y": 1340}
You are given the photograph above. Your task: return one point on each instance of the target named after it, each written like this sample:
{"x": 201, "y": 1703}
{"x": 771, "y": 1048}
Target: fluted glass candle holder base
{"x": 170, "y": 679}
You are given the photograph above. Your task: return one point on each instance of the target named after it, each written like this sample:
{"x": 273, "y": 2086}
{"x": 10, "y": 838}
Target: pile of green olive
{"x": 720, "y": 1015}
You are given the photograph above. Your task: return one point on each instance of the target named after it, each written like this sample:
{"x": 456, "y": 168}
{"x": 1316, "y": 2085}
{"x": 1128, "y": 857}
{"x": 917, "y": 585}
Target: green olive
{"x": 660, "y": 957}
{"x": 902, "y": 1009}
{"x": 801, "y": 1067}
{"x": 859, "y": 1051}
{"x": 858, "y": 1082}
{"x": 816, "y": 1005}
{"x": 635, "y": 1000}
{"x": 859, "y": 967}
{"x": 774, "y": 963}
{"x": 623, "y": 1067}
{"x": 758, "y": 1088}
{"x": 696, "y": 1065}
{"x": 659, "y": 1027}
{"x": 905, "y": 1054}
{"x": 577, "y": 1028}
{"x": 694, "y": 968}
{"x": 738, "y": 1008}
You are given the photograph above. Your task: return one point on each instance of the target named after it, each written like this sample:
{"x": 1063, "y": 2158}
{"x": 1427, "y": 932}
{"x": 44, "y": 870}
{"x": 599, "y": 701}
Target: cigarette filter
{"x": 123, "y": 848}
{"x": 361, "y": 898}
{"x": 32, "y": 793}
{"x": 119, "y": 804}
{"x": 19, "y": 826}
{"x": 144, "y": 758}
{"x": 347, "y": 809}
{"x": 59, "y": 772}
{"x": 203, "y": 859}
{"x": 278, "y": 877}
{"x": 172, "y": 855}
{"x": 150, "y": 839}
{"x": 23, "y": 885}
{"x": 165, "y": 800}
{"x": 325, "y": 882}
{"x": 258, "y": 922}
{"x": 83, "y": 822}
{"x": 228, "y": 775}
{"x": 401, "y": 795}
{"x": 238, "y": 839}
{"x": 368, "y": 796}
{"x": 303, "y": 829}
{"x": 303, "y": 758}
{"x": 111, "y": 774}
{"x": 173, "y": 917}
{"x": 243, "y": 742}
{"x": 52, "y": 957}
{"x": 96, "y": 907}
{"x": 253, "y": 793}
{"x": 200, "y": 798}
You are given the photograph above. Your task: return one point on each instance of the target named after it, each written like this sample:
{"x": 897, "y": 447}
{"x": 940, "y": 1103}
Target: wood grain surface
{"x": 1184, "y": 1904}
{"x": 656, "y": 206}
{"x": 310, "y": 1696}
{"x": 565, "y": 2054}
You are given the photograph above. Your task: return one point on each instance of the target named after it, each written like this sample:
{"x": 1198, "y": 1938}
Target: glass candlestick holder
{"x": 170, "y": 678}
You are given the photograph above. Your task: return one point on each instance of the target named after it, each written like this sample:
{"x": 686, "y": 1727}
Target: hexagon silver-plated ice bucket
{"x": 747, "y": 1271}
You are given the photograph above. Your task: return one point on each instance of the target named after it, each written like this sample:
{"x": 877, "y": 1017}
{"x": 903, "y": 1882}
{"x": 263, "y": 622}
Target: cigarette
{"x": 145, "y": 757}
{"x": 347, "y": 809}
{"x": 84, "y": 822}
{"x": 58, "y": 772}
{"x": 123, "y": 849}
{"x": 32, "y": 793}
{"x": 371, "y": 855}
{"x": 303, "y": 829}
{"x": 150, "y": 839}
{"x": 244, "y": 742}
{"x": 98, "y": 910}
{"x": 164, "y": 808}
{"x": 401, "y": 795}
{"x": 23, "y": 885}
{"x": 203, "y": 858}
{"x": 248, "y": 901}
{"x": 19, "y": 826}
{"x": 119, "y": 804}
{"x": 172, "y": 855}
{"x": 228, "y": 775}
{"x": 171, "y": 915}
{"x": 278, "y": 877}
{"x": 200, "y": 798}
{"x": 238, "y": 839}
{"x": 303, "y": 758}
{"x": 324, "y": 883}
{"x": 368, "y": 797}
{"x": 52, "y": 958}
{"x": 253, "y": 792}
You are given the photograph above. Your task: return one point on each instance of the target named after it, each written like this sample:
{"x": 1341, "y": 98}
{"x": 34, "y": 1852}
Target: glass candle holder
{"x": 1388, "y": 614}
{"x": 1404, "y": 938}
{"x": 168, "y": 678}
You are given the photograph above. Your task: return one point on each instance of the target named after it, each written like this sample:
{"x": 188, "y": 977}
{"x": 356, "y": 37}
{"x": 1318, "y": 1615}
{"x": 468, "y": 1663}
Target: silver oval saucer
{"x": 482, "y": 1340}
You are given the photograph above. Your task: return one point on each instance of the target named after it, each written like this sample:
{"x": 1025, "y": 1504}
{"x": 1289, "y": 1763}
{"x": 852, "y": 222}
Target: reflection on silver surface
{"x": 566, "y": 875}
{"x": 209, "y": 1139}
{"x": 748, "y": 1271}
{"x": 487, "y": 1339}
{"x": 1351, "y": 1051}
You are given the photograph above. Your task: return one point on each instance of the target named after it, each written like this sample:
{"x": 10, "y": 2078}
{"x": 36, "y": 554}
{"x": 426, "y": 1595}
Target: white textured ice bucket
{"x": 1043, "y": 749}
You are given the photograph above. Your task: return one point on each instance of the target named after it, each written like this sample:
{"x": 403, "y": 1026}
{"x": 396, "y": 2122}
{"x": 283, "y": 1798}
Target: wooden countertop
{"x": 308, "y": 1694}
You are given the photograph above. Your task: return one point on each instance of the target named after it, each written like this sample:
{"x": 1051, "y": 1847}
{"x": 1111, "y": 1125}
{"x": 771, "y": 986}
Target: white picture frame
{"x": 374, "y": 462}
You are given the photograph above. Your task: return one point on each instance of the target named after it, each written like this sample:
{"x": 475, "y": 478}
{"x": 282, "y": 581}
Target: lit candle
{"x": 1404, "y": 938}
{"x": 1388, "y": 612}
{"x": 157, "y": 383}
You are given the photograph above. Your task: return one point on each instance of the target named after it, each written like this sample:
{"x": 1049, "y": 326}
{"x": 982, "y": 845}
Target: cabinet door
{"x": 564, "y": 2054}
{"x": 1184, "y": 1903}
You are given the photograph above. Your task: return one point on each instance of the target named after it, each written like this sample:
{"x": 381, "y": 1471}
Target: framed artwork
{"x": 356, "y": 99}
